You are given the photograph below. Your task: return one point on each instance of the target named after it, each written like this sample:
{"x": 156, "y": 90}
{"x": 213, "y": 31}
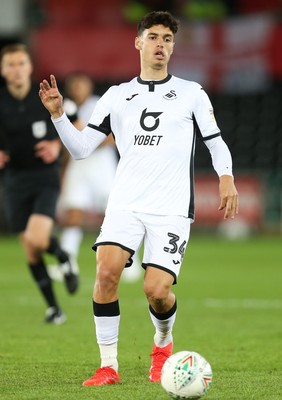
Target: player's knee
{"x": 107, "y": 275}
{"x": 110, "y": 263}
{"x": 157, "y": 294}
{"x": 35, "y": 243}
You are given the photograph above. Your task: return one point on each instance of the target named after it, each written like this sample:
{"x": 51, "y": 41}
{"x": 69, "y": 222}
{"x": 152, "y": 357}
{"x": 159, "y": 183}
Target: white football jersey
{"x": 154, "y": 124}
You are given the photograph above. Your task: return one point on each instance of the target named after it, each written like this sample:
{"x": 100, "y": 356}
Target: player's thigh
{"x": 111, "y": 260}
{"x": 165, "y": 242}
{"x": 122, "y": 229}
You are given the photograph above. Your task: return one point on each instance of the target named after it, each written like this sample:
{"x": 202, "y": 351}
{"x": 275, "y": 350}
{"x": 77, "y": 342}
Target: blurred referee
{"x": 29, "y": 153}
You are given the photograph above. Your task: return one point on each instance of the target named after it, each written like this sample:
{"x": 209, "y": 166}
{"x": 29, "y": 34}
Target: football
{"x": 186, "y": 375}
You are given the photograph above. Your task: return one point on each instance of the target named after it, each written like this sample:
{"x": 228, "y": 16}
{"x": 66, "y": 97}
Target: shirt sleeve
{"x": 204, "y": 116}
{"x": 221, "y": 156}
{"x": 80, "y": 144}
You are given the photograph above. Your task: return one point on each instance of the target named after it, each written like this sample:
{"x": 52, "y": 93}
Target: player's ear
{"x": 138, "y": 43}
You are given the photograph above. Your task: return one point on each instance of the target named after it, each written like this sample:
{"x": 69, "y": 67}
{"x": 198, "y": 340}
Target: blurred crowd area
{"x": 232, "y": 47}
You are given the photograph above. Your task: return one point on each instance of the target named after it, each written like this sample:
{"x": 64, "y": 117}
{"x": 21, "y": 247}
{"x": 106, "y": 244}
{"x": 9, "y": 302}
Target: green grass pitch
{"x": 229, "y": 310}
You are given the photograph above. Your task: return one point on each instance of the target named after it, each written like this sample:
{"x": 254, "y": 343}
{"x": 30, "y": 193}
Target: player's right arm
{"x": 80, "y": 144}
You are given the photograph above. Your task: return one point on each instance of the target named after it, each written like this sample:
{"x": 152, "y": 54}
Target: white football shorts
{"x": 164, "y": 237}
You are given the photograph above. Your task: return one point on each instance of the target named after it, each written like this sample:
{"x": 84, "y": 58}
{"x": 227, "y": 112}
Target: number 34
{"x": 174, "y": 239}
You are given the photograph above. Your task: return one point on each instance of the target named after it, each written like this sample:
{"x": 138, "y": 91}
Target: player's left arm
{"x": 221, "y": 158}
{"x": 222, "y": 163}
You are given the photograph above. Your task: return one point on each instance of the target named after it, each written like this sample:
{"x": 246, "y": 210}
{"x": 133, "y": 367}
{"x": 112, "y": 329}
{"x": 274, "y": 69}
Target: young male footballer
{"x": 153, "y": 119}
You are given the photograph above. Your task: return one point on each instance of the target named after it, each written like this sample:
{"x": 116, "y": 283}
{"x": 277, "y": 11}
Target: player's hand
{"x": 48, "y": 150}
{"x": 51, "y": 97}
{"x": 4, "y": 158}
{"x": 228, "y": 196}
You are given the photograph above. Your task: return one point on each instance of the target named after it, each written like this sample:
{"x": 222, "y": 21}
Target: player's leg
{"x": 162, "y": 309}
{"x": 110, "y": 263}
{"x": 35, "y": 239}
{"x": 120, "y": 236}
{"x": 164, "y": 246}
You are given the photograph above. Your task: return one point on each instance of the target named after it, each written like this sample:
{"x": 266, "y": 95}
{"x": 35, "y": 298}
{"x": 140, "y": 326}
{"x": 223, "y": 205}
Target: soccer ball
{"x": 186, "y": 375}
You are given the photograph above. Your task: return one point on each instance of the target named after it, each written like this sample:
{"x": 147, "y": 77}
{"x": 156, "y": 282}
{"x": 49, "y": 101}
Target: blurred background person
{"x": 86, "y": 183}
{"x": 29, "y": 153}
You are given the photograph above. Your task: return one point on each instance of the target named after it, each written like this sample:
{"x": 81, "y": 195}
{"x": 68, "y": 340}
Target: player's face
{"x": 16, "y": 68}
{"x": 156, "y": 46}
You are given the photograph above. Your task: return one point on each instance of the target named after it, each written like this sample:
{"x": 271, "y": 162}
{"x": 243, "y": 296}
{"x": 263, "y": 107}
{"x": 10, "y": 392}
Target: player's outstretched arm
{"x": 228, "y": 196}
{"x": 51, "y": 97}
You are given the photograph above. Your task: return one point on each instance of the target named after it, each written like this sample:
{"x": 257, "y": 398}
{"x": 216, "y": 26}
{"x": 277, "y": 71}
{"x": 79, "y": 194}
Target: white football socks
{"x": 107, "y": 338}
{"x": 108, "y": 353}
{"x": 163, "y": 335}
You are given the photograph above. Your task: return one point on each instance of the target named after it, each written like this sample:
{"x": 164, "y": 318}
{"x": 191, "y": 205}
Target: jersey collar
{"x": 151, "y": 84}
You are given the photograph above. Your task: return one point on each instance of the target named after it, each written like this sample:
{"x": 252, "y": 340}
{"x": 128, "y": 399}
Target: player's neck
{"x": 153, "y": 74}
{"x": 19, "y": 91}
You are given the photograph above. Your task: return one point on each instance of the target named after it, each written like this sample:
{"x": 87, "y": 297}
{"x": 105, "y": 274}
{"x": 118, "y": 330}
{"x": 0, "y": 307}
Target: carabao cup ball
{"x": 186, "y": 375}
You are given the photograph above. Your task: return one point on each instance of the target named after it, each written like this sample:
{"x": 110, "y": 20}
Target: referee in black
{"x": 29, "y": 154}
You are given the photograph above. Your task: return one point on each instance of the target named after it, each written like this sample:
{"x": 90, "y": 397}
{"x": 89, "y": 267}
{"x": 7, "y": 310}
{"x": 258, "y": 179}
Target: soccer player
{"x": 153, "y": 119}
{"x": 29, "y": 152}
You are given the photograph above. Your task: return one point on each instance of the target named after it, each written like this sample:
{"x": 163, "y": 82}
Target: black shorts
{"x": 30, "y": 192}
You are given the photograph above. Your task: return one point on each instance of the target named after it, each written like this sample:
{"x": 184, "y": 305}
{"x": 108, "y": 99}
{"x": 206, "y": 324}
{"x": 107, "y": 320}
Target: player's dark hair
{"x": 158, "y": 18}
{"x": 13, "y": 48}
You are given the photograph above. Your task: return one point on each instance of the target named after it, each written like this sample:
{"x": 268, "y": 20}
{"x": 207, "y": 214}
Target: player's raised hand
{"x": 51, "y": 97}
{"x": 228, "y": 196}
